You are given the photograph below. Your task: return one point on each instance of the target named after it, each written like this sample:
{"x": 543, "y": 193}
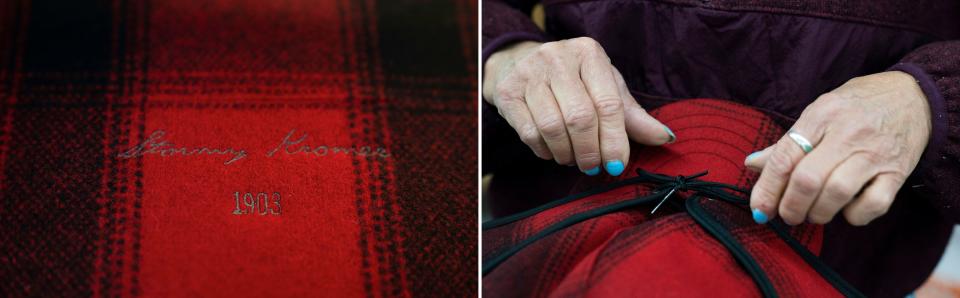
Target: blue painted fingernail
{"x": 759, "y": 216}
{"x": 614, "y": 167}
{"x": 753, "y": 155}
{"x": 673, "y": 137}
{"x": 592, "y": 172}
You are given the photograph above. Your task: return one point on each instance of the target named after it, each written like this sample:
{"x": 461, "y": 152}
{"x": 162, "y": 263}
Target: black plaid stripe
{"x": 423, "y": 42}
{"x": 53, "y": 161}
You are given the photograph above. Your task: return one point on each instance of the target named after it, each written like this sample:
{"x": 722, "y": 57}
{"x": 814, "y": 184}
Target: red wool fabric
{"x": 133, "y": 131}
{"x": 632, "y": 253}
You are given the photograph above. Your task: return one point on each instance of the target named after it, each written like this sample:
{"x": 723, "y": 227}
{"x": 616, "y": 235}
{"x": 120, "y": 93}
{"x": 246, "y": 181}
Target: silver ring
{"x": 800, "y": 140}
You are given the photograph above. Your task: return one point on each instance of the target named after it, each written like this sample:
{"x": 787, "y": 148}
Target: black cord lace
{"x": 667, "y": 186}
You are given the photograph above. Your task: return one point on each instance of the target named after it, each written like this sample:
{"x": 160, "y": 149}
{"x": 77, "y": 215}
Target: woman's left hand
{"x": 867, "y": 137}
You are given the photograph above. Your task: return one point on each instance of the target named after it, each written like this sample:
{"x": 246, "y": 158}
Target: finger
{"x": 597, "y": 75}
{"x": 624, "y": 96}
{"x": 874, "y": 201}
{"x": 843, "y": 184}
{"x": 807, "y": 179}
{"x": 514, "y": 110}
{"x": 549, "y": 120}
{"x": 767, "y": 192}
{"x": 756, "y": 160}
{"x": 579, "y": 116}
{"x": 640, "y": 126}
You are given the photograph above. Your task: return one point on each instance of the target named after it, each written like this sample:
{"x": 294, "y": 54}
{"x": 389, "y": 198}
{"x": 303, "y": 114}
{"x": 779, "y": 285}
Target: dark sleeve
{"x": 505, "y": 22}
{"x": 936, "y": 67}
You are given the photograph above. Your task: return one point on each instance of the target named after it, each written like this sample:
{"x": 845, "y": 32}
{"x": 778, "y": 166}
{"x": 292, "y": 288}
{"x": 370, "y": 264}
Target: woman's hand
{"x": 568, "y": 103}
{"x": 868, "y": 136}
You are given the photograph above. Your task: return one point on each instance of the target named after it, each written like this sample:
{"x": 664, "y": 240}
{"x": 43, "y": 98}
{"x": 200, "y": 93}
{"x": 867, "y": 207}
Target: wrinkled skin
{"x": 568, "y": 103}
{"x": 868, "y": 136}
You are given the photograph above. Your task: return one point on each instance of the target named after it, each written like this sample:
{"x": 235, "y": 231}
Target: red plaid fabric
{"x": 238, "y": 148}
{"x": 632, "y": 253}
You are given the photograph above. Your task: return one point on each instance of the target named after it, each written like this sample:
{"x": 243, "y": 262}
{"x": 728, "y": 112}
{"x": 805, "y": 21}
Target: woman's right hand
{"x": 569, "y": 104}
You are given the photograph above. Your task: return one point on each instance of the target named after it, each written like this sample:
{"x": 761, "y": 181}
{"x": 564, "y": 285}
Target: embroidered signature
{"x": 294, "y": 147}
{"x": 155, "y": 144}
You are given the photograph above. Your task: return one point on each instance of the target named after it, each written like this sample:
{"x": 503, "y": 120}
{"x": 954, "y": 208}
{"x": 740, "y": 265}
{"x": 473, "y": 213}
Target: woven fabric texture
{"x": 238, "y": 148}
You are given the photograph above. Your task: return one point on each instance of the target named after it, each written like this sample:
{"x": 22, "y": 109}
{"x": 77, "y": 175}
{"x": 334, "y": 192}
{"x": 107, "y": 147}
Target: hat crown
{"x": 712, "y": 135}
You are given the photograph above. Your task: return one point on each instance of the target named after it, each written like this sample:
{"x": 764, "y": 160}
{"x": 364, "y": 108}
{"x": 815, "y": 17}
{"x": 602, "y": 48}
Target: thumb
{"x": 641, "y": 127}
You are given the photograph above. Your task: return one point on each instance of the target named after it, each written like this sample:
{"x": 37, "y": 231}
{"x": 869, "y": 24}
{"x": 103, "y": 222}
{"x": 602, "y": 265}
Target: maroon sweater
{"x": 777, "y": 56}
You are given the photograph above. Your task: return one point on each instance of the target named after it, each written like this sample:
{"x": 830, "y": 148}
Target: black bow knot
{"x": 668, "y": 186}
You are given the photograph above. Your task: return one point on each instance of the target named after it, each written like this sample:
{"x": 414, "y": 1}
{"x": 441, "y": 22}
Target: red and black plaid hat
{"x": 604, "y": 239}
